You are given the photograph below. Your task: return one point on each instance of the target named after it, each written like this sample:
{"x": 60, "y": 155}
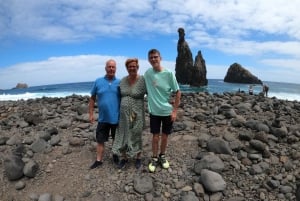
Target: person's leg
{"x": 155, "y": 123}
{"x": 155, "y": 145}
{"x": 123, "y": 161}
{"x": 138, "y": 161}
{"x": 100, "y": 150}
{"x": 154, "y": 159}
{"x": 99, "y": 158}
{"x": 163, "y": 143}
{"x": 113, "y": 129}
{"x": 102, "y": 134}
{"x": 163, "y": 146}
{"x": 167, "y": 125}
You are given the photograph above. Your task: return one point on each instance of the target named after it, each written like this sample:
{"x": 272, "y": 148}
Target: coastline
{"x": 283, "y": 91}
{"x": 249, "y": 143}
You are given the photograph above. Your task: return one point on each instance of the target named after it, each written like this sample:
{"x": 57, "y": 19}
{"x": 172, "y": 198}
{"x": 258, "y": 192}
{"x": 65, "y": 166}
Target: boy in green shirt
{"x": 160, "y": 84}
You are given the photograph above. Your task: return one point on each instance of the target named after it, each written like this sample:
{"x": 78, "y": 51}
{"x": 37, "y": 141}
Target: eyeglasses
{"x": 153, "y": 57}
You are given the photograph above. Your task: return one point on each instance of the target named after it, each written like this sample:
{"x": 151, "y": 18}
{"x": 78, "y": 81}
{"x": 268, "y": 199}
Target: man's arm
{"x": 91, "y": 108}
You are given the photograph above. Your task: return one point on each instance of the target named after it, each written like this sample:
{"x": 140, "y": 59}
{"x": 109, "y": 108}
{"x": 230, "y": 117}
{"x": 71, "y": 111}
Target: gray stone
{"x": 39, "y": 146}
{"x": 13, "y": 140}
{"x": 199, "y": 190}
{"x": 44, "y": 135}
{"x": 65, "y": 123}
{"x": 189, "y": 197}
{"x": 285, "y": 189}
{"x": 258, "y": 145}
{"x": 211, "y": 162}
{"x": 13, "y": 167}
{"x": 52, "y": 131}
{"x": 219, "y": 146}
{"x": 262, "y": 127}
{"x": 273, "y": 183}
{"x": 238, "y": 198}
{"x": 33, "y": 196}
{"x": 255, "y": 169}
{"x": 20, "y": 185}
{"x": 3, "y": 140}
{"x": 55, "y": 139}
{"x": 143, "y": 184}
{"x": 212, "y": 181}
{"x": 279, "y": 132}
{"x": 30, "y": 169}
{"x": 45, "y": 197}
{"x": 32, "y": 118}
{"x": 216, "y": 196}
{"x": 58, "y": 198}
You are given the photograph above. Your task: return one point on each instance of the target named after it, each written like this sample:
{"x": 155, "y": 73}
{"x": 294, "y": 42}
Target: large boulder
{"x": 237, "y": 74}
{"x": 21, "y": 86}
{"x": 188, "y": 72}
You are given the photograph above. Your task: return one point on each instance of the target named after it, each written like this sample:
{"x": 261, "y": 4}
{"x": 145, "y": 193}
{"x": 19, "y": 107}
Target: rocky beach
{"x": 225, "y": 147}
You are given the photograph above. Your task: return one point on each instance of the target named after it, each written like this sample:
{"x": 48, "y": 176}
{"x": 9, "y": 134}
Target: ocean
{"x": 284, "y": 91}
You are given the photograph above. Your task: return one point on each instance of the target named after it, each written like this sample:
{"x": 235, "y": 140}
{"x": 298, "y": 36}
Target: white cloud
{"x": 284, "y": 64}
{"x": 69, "y": 69}
{"x": 65, "y": 20}
{"x": 83, "y": 68}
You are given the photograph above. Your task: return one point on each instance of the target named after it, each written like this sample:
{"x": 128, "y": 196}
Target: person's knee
{"x": 156, "y": 138}
{"x": 164, "y": 136}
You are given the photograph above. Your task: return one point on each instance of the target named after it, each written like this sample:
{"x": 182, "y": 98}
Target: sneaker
{"x": 138, "y": 163}
{"x": 154, "y": 163}
{"x": 122, "y": 163}
{"x": 163, "y": 161}
{"x": 116, "y": 159}
{"x": 96, "y": 164}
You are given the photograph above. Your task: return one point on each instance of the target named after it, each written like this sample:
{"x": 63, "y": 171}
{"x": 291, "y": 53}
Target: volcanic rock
{"x": 21, "y": 86}
{"x": 238, "y": 74}
{"x": 188, "y": 72}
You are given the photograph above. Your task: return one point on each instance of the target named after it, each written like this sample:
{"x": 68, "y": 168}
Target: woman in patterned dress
{"x": 128, "y": 139}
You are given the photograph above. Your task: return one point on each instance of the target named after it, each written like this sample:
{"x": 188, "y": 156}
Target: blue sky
{"x": 62, "y": 41}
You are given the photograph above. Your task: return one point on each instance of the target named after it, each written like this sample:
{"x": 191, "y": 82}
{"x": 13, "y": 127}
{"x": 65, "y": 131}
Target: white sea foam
{"x": 285, "y": 96}
{"x": 26, "y": 96}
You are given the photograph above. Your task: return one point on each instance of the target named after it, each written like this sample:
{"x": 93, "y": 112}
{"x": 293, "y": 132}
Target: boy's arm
{"x": 176, "y": 105}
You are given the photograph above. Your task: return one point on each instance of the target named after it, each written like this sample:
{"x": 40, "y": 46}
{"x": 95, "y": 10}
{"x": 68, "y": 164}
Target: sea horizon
{"x": 279, "y": 90}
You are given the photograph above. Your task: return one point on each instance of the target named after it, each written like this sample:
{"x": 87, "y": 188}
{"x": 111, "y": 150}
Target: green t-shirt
{"x": 160, "y": 86}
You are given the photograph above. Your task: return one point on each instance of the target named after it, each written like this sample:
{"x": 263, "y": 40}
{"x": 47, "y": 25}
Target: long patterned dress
{"x": 128, "y": 137}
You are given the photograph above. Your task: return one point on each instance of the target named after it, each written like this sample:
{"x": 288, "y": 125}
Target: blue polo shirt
{"x": 108, "y": 99}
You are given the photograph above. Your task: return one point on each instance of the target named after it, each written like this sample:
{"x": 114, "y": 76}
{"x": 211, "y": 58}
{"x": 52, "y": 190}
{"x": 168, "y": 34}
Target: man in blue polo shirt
{"x": 106, "y": 90}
